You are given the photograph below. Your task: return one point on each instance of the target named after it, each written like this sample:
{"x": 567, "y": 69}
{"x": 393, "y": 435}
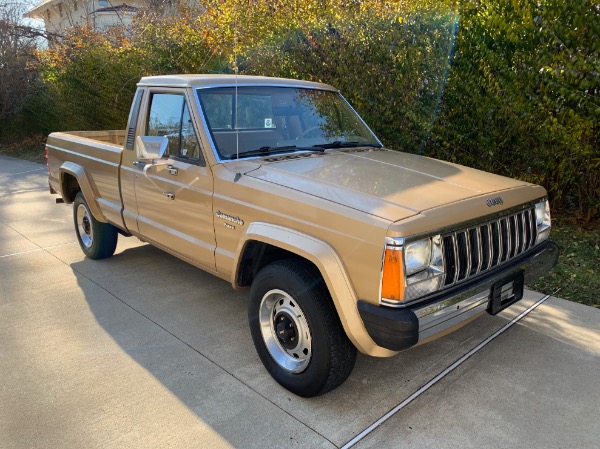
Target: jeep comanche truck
{"x": 279, "y": 186}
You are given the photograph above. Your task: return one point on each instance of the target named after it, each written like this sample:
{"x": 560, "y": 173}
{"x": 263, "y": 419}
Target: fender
{"x": 80, "y": 174}
{"x": 332, "y": 269}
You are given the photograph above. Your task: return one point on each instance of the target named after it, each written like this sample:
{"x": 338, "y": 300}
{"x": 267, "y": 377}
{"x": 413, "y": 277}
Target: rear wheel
{"x": 296, "y": 330}
{"x": 97, "y": 240}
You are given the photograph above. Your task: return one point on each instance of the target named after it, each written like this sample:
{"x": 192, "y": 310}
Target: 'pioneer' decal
{"x": 230, "y": 218}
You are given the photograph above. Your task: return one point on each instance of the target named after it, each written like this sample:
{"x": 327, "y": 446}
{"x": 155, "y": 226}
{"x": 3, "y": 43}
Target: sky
{"x": 35, "y": 23}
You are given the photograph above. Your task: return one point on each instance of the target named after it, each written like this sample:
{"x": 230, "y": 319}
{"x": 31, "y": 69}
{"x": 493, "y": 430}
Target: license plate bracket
{"x": 506, "y": 292}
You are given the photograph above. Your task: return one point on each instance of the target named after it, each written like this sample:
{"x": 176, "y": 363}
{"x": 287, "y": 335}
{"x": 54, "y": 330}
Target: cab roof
{"x": 227, "y": 80}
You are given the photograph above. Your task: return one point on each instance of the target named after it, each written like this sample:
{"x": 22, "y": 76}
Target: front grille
{"x": 482, "y": 247}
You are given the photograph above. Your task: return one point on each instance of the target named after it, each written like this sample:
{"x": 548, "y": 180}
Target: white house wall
{"x": 59, "y": 15}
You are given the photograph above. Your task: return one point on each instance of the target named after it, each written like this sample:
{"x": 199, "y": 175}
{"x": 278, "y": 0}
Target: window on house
{"x": 60, "y": 11}
{"x": 103, "y": 3}
{"x": 75, "y": 6}
{"x": 48, "y": 14}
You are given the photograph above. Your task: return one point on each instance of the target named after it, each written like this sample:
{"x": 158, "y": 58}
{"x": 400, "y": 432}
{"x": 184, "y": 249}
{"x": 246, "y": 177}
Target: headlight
{"x": 426, "y": 278}
{"x": 417, "y": 256}
{"x": 411, "y": 271}
{"x": 542, "y": 218}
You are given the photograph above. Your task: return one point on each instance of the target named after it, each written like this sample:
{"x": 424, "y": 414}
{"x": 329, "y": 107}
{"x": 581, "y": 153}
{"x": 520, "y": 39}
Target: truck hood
{"x": 388, "y": 184}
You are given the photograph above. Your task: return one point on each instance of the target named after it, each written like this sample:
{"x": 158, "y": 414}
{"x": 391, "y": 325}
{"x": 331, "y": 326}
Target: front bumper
{"x": 398, "y": 329}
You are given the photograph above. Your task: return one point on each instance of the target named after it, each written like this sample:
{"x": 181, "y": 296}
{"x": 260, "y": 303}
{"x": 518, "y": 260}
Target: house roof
{"x": 38, "y": 10}
{"x": 117, "y": 8}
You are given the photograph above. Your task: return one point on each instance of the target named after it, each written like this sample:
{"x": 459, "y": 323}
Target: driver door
{"x": 174, "y": 196}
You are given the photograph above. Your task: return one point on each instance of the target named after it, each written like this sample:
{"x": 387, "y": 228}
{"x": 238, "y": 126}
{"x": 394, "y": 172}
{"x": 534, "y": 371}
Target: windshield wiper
{"x": 345, "y": 144}
{"x": 266, "y": 151}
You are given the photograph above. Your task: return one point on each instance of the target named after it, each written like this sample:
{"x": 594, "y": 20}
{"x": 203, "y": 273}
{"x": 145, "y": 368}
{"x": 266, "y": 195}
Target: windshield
{"x": 267, "y": 120}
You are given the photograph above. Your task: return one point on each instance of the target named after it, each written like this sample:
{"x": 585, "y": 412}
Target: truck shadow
{"x": 189, "y": 330}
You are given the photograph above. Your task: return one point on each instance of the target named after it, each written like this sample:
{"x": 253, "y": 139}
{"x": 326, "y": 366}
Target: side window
{"x": 169, "y": 116}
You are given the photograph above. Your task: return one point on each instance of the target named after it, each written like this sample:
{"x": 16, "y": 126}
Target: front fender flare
{"x": 85, "y": 185}
{"x": 331, "y": 268}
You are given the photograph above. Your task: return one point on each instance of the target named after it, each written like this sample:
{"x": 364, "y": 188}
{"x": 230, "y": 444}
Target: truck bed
{"x": 115, "y": 137}
{"x": 100, "y": 153}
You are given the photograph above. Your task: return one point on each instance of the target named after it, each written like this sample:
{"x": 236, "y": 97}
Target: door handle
{"x": 139, "y": 164}
{"x": 172, "y": 170}
{"x": 170, "y": 195}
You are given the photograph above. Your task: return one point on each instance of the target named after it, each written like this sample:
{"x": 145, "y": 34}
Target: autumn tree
{"x": 18, "y": 77}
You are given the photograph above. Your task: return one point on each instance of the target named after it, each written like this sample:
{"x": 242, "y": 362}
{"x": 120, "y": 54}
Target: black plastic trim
{"x": 394, "y": 329}
{"x": 133, "y": 118}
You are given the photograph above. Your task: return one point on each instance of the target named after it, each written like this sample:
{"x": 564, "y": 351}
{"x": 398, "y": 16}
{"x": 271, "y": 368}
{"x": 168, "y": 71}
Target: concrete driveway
{"x": 142, "y": 350}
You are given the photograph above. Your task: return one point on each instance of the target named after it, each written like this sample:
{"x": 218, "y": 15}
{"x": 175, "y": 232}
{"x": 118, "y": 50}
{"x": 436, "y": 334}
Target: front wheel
{"x": 97, "y": 240}
{"x": 296, "y": 330}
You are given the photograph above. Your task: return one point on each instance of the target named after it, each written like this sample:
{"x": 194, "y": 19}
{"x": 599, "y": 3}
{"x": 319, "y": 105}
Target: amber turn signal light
{"x": 392, "y": 283}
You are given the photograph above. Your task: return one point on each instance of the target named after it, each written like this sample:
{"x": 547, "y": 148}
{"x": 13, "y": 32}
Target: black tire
{"x": 324, "y": 357}
{"x": 97, "y": 240}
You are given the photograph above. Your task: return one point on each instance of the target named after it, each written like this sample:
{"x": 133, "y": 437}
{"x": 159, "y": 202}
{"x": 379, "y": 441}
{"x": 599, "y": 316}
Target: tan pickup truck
{"x": 278, "y": 185}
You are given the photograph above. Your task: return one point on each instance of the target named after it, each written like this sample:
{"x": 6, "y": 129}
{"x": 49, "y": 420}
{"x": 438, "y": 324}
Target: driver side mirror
{"x": 151, "y": 147}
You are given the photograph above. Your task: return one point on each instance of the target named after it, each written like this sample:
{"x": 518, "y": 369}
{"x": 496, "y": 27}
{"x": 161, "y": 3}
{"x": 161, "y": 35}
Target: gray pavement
{"x": 143, "y": 350}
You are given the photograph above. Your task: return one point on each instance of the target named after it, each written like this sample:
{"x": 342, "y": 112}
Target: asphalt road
{"x": 144, "y": 351}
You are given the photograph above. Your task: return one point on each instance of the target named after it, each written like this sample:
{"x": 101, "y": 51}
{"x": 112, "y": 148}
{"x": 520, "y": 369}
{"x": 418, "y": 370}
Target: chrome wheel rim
{"x": 84, "y": 226}
{"x": 285, "y": 331}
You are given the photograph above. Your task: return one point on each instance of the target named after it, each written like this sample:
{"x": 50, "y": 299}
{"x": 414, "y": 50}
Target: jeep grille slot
{"x": 449, "y": 259}
{"x": 474, "y": 250}
{"x": 463, "y": 255}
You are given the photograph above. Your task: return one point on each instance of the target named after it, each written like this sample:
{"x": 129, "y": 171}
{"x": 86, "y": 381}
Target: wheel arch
{"x": 263, "y": 243}
{"x": 72, "y": 179}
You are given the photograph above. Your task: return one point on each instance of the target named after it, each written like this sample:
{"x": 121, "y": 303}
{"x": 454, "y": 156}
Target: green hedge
{"x": 522, "y": 97}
